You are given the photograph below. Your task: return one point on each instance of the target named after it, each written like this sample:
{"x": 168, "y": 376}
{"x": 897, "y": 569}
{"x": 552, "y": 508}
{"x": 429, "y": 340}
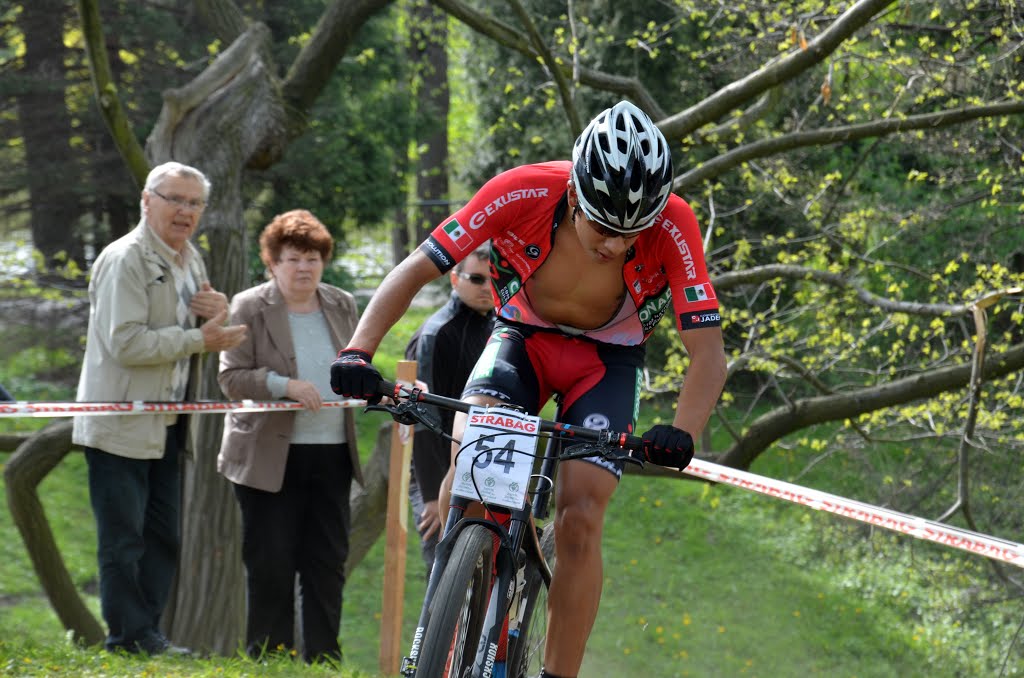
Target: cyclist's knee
{"x": 578, "y": 528}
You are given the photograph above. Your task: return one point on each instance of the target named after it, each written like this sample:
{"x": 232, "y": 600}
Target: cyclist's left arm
{"x": 703, "y": 381}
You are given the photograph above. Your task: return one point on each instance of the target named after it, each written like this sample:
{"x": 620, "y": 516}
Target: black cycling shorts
{"x": 597, "y": 385}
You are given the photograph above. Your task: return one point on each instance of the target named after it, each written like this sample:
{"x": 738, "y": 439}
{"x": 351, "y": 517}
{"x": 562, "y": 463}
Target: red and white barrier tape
{"x": 70, "y": 409}
{"x": 920, "y": 528}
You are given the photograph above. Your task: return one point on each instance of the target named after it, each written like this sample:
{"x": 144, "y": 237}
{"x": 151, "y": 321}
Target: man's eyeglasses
{"x": 182, "y": 203}
{"x": 475, "y": 278}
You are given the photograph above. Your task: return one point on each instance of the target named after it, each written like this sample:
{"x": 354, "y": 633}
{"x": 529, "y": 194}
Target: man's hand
{"x": 304, "y": 392}
{"x": 430, "y": 520}
{"x": 354, "y": 376}
{"x": 208, "y": 302}
{"x": 220, "y": 337}
{"x": 666, "y": 445}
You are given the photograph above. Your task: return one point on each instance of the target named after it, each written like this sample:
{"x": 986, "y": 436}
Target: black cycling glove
{"x": 666, "y": 445}
{"x": 354, "y": 376}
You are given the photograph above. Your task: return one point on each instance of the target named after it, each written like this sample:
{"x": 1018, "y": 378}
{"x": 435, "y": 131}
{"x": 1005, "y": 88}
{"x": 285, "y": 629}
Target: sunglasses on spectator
{"x": 474, "y": 278}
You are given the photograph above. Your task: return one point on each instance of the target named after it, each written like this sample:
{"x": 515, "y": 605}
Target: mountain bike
{"x": 488, "y": 586}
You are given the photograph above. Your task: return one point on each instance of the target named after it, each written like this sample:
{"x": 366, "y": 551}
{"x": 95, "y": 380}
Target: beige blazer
{"x": 254, "y": 449}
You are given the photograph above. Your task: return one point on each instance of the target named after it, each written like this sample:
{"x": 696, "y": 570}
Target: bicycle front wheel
{"x": 526, "y": 643}
{"x": 459, "y": 606}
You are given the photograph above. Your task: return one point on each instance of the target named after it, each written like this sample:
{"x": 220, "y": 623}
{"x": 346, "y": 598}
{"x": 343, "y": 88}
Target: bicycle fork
{"x": 508, "y": 581}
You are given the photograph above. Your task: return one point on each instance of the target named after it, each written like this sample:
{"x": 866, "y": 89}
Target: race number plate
{"x": 496, "y": 460}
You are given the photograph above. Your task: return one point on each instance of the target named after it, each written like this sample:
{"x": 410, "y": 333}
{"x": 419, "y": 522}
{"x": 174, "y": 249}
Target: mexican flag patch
{"x": 457, "y": 233}
{"x": 700, "y": 292}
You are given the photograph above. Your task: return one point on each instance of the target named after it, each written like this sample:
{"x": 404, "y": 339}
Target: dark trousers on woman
{"x": 303, "y": 530}
{"x": 137, "y": 505}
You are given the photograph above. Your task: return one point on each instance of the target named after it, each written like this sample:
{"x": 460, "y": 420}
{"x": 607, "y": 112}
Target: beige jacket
{"x": 133, "y": 343}
{"x": 254, "y": 449}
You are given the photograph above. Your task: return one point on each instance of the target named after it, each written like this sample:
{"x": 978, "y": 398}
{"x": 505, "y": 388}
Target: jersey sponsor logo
{"x": 653, "y": 309}
{"x": 509, "y": 290}
{"x": 478, "y": 219}
{"x": 701, "y": 292}
{"x": 488, "y": 392}
{"x": 684, "y": 248}
{"x": 691, "y": 321}
{"x": 438, "y": 254}
{"x": 459, "y": 236}
{"x": 511, "y": 312}
{"x": 597, "y": 421}
{"x": 485, "y": 363}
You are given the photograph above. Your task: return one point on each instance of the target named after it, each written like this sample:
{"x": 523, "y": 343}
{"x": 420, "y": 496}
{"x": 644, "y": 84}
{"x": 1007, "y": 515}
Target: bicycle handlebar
{"x": 566, "y": 432}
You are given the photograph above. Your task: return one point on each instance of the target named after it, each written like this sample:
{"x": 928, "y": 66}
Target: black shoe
{"x": 157, "y": 643}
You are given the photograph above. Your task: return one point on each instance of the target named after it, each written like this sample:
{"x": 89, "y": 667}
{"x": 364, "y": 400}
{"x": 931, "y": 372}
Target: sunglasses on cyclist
{"x": 474, "y": 278}
{"x": 600, "y": 228}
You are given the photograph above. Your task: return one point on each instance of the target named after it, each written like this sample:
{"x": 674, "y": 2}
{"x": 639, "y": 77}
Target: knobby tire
{"x": 459, "y": 606}
{"x": 526, "y": 651}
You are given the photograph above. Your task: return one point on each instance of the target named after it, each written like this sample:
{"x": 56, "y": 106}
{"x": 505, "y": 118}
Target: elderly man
{"x": 146, "y": 291}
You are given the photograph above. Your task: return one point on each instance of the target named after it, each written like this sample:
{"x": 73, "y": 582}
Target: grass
{"x": 700, "y": 581}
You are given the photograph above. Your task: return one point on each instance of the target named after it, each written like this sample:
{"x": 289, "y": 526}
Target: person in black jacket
{"x": 445, "y": 348}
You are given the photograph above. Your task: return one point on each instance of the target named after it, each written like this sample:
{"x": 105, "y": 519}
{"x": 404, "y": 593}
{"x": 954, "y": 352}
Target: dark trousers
{"x": 428, "y": 545}
{"x": 137, "y": 505}
{"x": 303, "y": 530}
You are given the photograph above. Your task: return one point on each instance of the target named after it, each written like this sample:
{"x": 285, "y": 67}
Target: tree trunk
{"x": 46, "y": 130}
{"x": 230, "y": 113}
{"x": 429, "y": 51}
{"x": 369, "y": 503}
{"x": 26, "y": 468}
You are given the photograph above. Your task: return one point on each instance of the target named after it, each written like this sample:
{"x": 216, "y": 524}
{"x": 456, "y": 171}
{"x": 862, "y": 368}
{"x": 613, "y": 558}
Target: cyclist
{"x": 586, "y": 257}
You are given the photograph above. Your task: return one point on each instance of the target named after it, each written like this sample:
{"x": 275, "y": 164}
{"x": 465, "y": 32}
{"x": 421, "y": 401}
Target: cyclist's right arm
{"x": 392, "y": 299}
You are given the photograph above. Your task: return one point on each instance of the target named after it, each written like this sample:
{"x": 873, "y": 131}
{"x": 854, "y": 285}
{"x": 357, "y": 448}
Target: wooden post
{"x": 397, "y": 527}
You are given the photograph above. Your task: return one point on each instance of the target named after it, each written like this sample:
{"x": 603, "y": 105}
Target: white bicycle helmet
{"x": 622, "y": 169}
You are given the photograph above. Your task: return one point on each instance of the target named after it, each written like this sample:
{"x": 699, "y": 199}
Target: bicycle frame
{"x": 511, "y": 541}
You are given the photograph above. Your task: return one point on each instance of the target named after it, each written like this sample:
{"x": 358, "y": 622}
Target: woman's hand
{"x": 304, "y": 392}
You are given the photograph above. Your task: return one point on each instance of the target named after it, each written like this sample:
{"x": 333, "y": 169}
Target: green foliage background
{"x": 726, "y": 583}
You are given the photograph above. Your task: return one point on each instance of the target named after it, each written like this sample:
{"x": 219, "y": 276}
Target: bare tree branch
{"x": 106, "y": 90}
{"x": 507, "y": 36}
{"x": 564, "y": 90}
{"x": 180, "y": 101}
{"x": 331, "y": 38}
{"x": 735, "y": 94}
{"x": 833, "y": 135}
{"x": 760, "y": 274}
{"x": 810, "y": 411}
{"x": 747, "y": 118}
{"x": 223, "y": 18}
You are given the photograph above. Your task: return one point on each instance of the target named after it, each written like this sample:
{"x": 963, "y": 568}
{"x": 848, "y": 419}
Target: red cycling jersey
{"x": 519, "y": 211}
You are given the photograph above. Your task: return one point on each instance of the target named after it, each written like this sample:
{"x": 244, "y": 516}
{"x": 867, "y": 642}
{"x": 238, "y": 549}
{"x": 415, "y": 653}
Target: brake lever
{"x": 409, "y": 412}
{"x": 582, "y": 450}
